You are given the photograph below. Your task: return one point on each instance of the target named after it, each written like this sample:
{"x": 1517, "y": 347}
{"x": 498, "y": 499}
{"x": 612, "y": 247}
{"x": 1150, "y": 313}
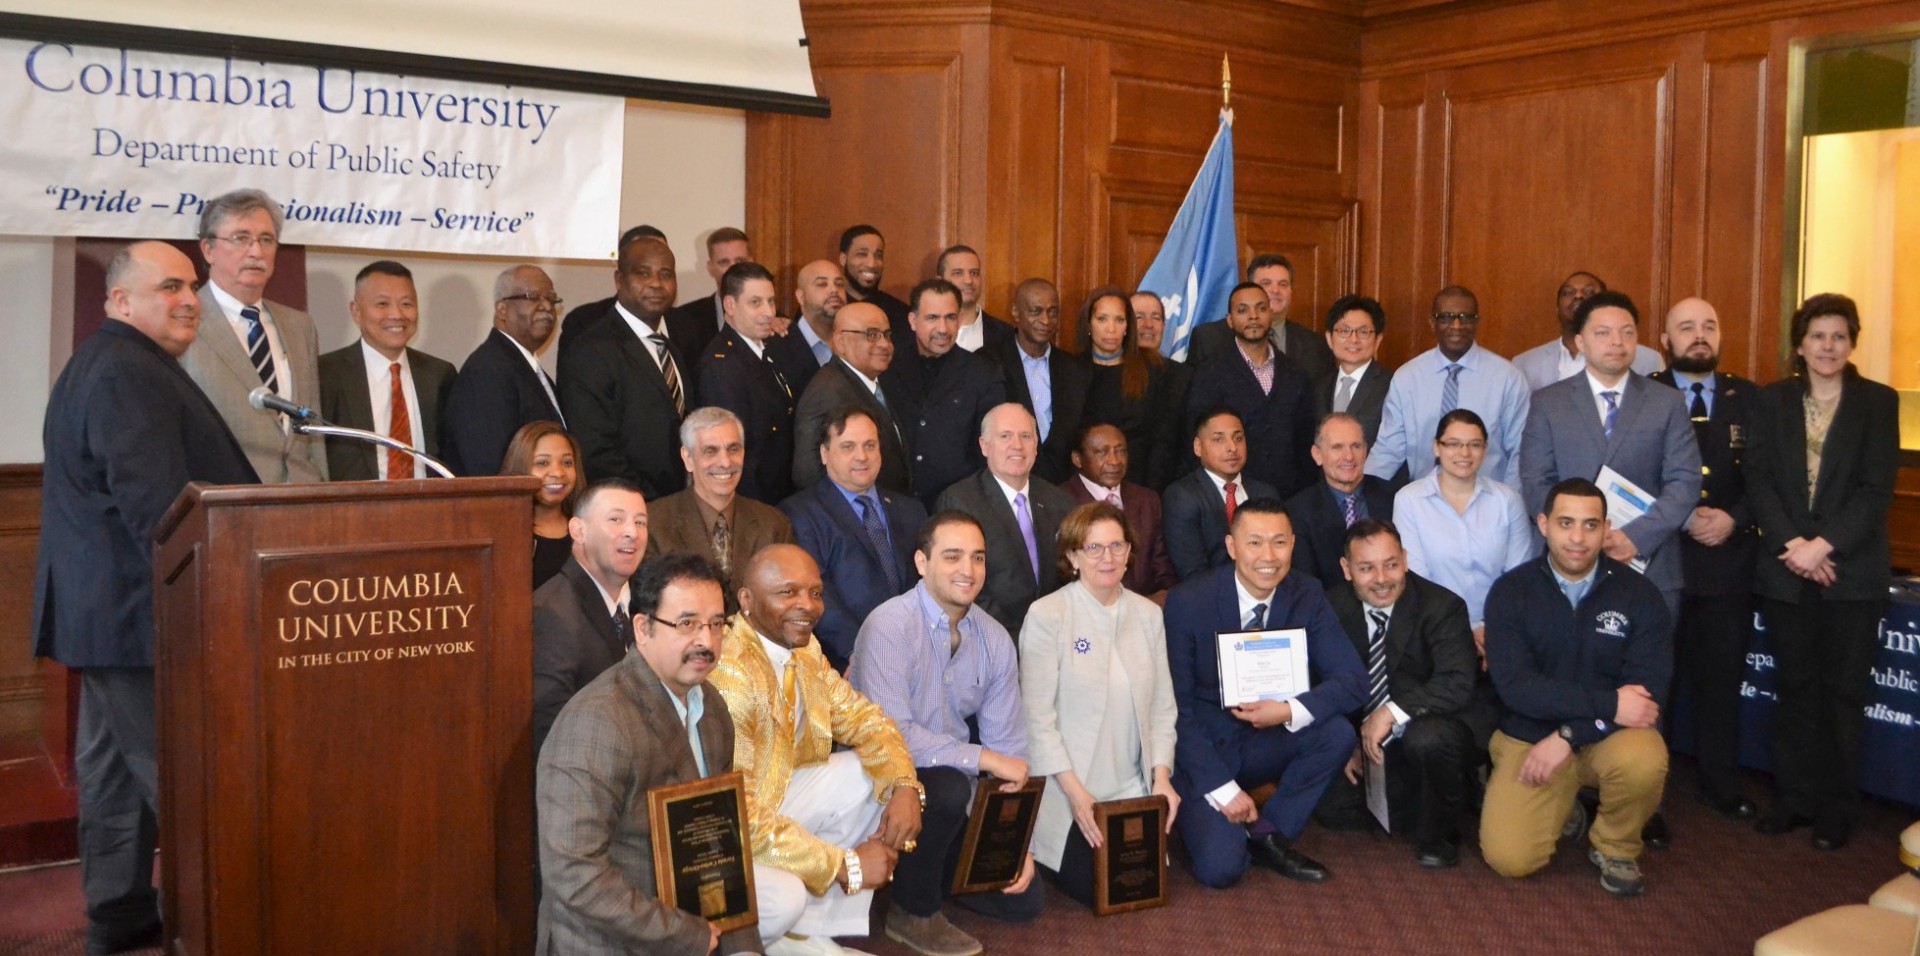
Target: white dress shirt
{"x": 1619, "y": 390}
{"x": 1353, "y": 378}
{"x": 1239, "y": 495}
{"x": 972, "y": 335}
{"x": 380, "y": 394}
{"x": 646, "y": 333}
{"x": 1400, "y": 717}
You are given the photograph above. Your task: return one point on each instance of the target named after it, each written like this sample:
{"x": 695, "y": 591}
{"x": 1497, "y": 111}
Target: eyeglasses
{"x": 1450, "y": 318}
{"x": 1117, "y": 549}
{"x": 245, "y": 240}
{"x": 1454, "y": 444}
{"x": 1358, "y": 332}
{"x": 533, "y": 297}
{"x": 688, "y": 626}
{"x": 871, "y": 335}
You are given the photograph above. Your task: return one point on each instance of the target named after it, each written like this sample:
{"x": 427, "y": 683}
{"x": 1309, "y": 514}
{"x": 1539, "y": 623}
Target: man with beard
{"x": 501, "y": 386}
{"x": 646, "y": 722}
{"x": 820, "y": 293}
{"x": 1717, "y": 552}
{"x": 710, "y": 518}
{"x": 1271, "y": 395}
{"x": 1561, "y": 359}
{"x": 939, "y": 391}
{"x": 1273, "y": 273}
{"x": 829, "y": 827}
{"x": 947, "y": 674}
{"x": 626, "y": 384}
{"x": 1051, "y": 383}
{"x": 863, "y": 258}
{"x": 1457, "y": 372}
{"x": 960, "y": 265}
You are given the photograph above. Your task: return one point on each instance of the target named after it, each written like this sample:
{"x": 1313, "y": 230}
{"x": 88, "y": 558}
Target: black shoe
{"x": 1439, "y": 854}
{"x": 102, "y": 940}
{"x": 1273, "y": 852}
{"x": 1655, "y": 833}
{"x": 1830, "y": 835}
{"x": 1779, "y": 821}
{"x": 1735, "y": 808}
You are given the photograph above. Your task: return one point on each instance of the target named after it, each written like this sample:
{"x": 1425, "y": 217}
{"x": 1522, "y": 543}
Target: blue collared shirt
{"x": 1684, "y": 383}
{"x": 1576, "y": 591}
{"x": 901, "y": 662}
{"x": 1464, "y": 553}
{"x": 1489, "y": 385}
{"x": 690, "y": 713}
{"x": 1039, "y": 372}
{"x": 873, "y": 499}
{"x": 1340, "y": 501}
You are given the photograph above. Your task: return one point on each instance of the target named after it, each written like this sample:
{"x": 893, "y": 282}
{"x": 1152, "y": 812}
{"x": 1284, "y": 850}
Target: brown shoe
{"x": 930, "y": 935}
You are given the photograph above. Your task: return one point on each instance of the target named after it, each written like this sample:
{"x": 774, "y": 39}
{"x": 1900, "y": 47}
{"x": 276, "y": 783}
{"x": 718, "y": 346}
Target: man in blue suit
{"x": 1297, "y": 744}
{"x": 861, "y": 536}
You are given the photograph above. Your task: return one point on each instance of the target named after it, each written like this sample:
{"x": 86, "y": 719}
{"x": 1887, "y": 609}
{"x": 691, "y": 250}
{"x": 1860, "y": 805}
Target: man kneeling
{"x": 827, "y": 828}
{"x": 1579, "y": 647}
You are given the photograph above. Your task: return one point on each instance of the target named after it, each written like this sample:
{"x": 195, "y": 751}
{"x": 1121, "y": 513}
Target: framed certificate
{"x": 1262, "y": 665}
{"x": 1130, "y": 864}
{"x": 998, "y": 833}
{"x": 702, "y": 859}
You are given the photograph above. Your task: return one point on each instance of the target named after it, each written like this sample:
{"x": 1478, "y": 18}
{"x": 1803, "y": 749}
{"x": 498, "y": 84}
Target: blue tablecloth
{"x": 1892, "y": 758}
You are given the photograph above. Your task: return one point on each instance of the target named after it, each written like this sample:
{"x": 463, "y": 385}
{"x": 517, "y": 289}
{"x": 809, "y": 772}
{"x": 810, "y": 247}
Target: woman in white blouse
{"x": 1463, "y": 530}
{"x": 1099, "y": 698}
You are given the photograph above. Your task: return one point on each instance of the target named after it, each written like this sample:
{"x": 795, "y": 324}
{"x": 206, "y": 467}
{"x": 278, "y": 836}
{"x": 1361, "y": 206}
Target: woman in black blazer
{"x": 1821, "y": 464}
{"x": 1131, "y": 387}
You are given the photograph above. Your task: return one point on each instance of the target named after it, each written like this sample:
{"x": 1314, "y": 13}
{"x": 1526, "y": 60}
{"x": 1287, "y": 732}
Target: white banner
{"x": 106, "y": 142}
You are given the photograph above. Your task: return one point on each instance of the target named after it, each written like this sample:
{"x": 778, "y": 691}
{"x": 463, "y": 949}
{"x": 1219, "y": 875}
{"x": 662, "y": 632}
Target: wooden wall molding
{"x": 22, "y": 686}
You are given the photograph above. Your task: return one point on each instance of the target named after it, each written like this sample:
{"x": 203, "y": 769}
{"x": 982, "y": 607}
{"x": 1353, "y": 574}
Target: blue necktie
{"x": 259, "y": 349}
{"x": 1258, "y": 619}
{"x": 1450, "y": 394}
{"x": 1377, "y": 662}
{"x": 877, "y": 533}
{"x": 1613, "y": 411}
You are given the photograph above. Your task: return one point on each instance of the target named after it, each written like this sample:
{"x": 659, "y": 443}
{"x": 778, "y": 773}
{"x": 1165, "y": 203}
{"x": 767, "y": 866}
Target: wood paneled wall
{"x": 1505, "y": 145}
{"x": 1059, "y": 138}
{"x": 22, "y": 682}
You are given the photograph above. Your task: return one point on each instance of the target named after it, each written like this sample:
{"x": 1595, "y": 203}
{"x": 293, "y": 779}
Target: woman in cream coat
{"x": 1100, "y": 709}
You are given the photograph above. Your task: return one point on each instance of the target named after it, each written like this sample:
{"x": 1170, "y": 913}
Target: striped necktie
{"x": 259, "y": 349}
{"x": 1613, "y": 411}
{"x": 671, "y": 372}
{"x": 1377, "y": 662}
{"x": 876, "y": 529}
{"x": 1450, "y": 393}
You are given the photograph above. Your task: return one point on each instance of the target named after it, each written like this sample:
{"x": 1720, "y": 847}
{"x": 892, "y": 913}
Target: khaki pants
{"x": 1520, "y": 824}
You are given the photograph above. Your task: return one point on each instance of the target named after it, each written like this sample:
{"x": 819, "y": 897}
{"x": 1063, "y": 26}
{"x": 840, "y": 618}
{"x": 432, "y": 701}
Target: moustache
{"x": 702, "y": 654}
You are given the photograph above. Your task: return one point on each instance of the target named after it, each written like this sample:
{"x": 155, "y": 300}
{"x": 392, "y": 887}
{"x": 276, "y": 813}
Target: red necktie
{"x": 1231, "y": 504}
{"x": 400, "y": 429}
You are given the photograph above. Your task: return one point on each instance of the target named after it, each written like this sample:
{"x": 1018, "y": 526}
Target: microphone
{"x": 265, "y": 400}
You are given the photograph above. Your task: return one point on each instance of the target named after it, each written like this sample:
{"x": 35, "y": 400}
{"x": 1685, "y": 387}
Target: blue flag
{"x": 1199, "y": 262}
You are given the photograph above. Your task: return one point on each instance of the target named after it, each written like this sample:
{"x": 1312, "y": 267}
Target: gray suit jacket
{"x": 218, "y": 363}
{"x": 1652, "y": 446}
{"x": 618, "y": 738}
{"x": 344, "y": 400}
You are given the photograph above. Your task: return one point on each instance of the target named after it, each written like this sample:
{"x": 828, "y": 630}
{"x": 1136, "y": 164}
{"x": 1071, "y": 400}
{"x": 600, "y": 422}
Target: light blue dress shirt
{"x": 1463, "y": 553}
{"x": 902, "y": 663}
{"x": 1039, "y": 372}
{"x": 1489, "y": 386}
{"x": 690, "y": 713}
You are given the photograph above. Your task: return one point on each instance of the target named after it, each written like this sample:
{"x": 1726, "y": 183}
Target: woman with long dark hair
{"x": 1131, "y": 387}
{"x": 1820, "y": 472}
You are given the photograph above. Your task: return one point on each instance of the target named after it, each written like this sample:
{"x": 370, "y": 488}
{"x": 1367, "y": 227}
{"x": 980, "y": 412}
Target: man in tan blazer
{"x": 710, "y": 518}
{"x": 246, "y": 341}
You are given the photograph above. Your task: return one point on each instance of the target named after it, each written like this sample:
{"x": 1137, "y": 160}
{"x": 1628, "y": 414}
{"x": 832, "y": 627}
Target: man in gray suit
{"x": 379, "y": 384}
{"x": 646, "y": 722}
{"x": 249, "y": 342}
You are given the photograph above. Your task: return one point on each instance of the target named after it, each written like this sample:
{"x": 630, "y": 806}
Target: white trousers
{"x": 833, "y": 801}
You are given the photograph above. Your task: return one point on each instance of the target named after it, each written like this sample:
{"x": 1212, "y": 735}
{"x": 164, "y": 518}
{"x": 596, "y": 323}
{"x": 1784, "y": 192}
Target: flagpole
{"x": 1226, "y": 88}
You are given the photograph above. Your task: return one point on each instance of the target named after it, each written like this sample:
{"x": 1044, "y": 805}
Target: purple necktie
{"x": 1026, "y": 531}
{"x": 1353, "y": 513}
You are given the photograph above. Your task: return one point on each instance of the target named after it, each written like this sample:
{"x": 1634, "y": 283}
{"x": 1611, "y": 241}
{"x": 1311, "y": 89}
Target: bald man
{"x": 862, "y": 351}
{"x": 126, "y": 429}
{"x": 1718, "y": 545}
{"x": 1051, "y": 382}
{"x": 820, "y": 291}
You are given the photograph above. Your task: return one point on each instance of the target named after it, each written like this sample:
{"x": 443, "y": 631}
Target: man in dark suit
{"x": 1052, "y": 384}
{"x": 960, "y": 265}
{"x": 940, "y": 392}
{"x": 1323, "y": 511}
{"x": 1297, "y": 745}
{"x": 1197, "y": 513}
{"x": 710, "y": 518}
{"x": 745, "y": 372}
{"x": 1020, "y": 512}
{"x": 1267, "y": 389}
{"x": 581, "y": 624}
{"x": 626, "y": 388}
{"x": 1422, "y": 721}
{"x": 649, "y": 722}
{"x": 1358, "y": 383}
{"x": 863, "y": 260}
{"x": 1273, "y": 273}
{"x": 125, "y": 431}
{"x": 248, "y": 342}
{"x": 580, "y": 318}
{"x": 1100, "y": 464}
{"x": 501, "y": 386}
{"x": 862, "y": 353}
{"x": 380, "y": 385}
{"x": 861, "y": 536}
{"x": 1718, "y": 551}
{"x": 694, "y": 324}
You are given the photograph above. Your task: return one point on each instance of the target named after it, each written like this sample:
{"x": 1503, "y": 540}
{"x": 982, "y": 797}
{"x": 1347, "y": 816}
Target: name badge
{"x": 1736, "y": 436}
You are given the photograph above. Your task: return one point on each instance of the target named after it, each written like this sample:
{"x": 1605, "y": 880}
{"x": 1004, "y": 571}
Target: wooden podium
{"x": 345, "y": 711}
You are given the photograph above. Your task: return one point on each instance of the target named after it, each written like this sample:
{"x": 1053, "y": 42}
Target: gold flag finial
{"x": 1226, "y": 82}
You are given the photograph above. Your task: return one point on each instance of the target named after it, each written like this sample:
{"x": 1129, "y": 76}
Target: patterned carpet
{"x": 1719, "y": 888}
